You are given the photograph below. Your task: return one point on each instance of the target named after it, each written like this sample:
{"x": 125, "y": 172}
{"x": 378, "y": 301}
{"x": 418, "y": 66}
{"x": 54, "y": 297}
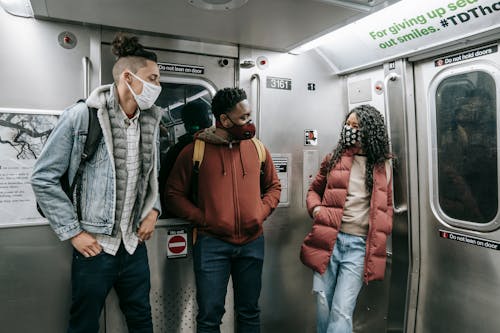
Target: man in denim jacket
{"x": 119, "y": 194}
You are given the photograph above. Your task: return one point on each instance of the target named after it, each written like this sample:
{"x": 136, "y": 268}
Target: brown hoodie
{"x": 230, "y": 206}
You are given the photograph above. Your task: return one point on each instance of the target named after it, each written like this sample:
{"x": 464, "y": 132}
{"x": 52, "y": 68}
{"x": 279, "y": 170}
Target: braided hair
{"x": 226, "y": 99}
{"x": 374, "y": 141}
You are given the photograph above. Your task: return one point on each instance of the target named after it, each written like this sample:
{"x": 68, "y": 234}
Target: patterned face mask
{"x": 351, "y": 135}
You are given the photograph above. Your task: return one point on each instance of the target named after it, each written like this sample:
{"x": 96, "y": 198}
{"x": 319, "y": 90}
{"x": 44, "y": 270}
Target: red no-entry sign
{"x": 177, "y": 244}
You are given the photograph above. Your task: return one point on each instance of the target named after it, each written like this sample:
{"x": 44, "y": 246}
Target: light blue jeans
{"x": 338, "y": 288}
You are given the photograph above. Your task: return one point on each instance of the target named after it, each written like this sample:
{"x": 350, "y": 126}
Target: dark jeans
{"x": 92, "y": 279}
{"x": 214, "y": 261}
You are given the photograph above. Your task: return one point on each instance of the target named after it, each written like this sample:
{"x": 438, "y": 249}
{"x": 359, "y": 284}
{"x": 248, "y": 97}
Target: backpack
{"x": 94, "y": 135}
{"x": 199, "y": 152}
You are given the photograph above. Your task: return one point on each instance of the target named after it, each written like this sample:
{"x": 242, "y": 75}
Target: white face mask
{"x": 148, "y": 96}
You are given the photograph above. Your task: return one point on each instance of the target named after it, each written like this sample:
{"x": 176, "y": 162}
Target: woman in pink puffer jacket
{"x": 350, "y": 201}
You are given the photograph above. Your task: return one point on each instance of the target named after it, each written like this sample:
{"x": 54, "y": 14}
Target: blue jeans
{"x": 338, "y": 288}
{"x": 92, "y": 279}
{"x": 214, "y": 262}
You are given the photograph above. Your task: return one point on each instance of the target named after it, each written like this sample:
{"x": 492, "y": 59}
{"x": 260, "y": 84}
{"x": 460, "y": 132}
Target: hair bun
{"x": 124, "y": 46}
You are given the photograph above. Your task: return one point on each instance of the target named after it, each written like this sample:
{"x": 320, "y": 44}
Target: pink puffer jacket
{"x": 329, "y": 190}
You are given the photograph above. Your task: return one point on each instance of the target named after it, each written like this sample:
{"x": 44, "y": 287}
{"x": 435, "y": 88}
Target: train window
{"x": 173, "y": 97}
{"x": 467, "y": 147}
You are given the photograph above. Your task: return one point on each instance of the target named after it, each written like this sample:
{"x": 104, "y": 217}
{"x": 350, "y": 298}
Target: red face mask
{"x": 239, "y": 132}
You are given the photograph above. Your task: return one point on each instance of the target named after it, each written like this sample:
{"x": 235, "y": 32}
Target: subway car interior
{"x": 431, "y": 67}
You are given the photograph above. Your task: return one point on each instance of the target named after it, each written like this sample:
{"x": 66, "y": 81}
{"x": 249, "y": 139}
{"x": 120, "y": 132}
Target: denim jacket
{"x": 62, "y": 152}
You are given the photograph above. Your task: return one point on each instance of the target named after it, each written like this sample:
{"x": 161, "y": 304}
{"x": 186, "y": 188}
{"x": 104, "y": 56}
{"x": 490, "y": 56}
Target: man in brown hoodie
{"x": 233, "y": 200}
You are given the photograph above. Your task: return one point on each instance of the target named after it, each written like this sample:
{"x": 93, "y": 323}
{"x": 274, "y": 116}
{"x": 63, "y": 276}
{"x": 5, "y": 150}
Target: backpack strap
{"x": 261, "y": 151}
{"x": 198, "y": 153}
{"x": 94, "y": 136}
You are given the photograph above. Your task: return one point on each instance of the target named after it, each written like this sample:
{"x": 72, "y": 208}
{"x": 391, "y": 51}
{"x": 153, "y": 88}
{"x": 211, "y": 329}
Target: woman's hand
{"x": 316, "y": 211}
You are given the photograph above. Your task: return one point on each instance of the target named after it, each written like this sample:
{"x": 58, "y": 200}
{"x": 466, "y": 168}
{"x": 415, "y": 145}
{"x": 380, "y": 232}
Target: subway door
{"x": 185, "y": 77}
{"x": 457, "y": 125}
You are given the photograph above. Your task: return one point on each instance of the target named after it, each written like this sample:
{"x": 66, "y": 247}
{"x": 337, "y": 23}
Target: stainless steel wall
{"x": 286, "y": 300}
{"x": 36, "y": 71}
{"x": 34, "y": 265}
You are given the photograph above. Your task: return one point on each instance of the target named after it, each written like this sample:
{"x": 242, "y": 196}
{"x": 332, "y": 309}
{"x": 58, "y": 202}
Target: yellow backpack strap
{"x": 199, "y": 151}
{"x": 261, "y": 151}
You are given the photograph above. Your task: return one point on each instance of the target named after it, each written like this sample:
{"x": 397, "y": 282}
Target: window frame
{"x": 189, "y": 80}
{"x": 461, "y": 69}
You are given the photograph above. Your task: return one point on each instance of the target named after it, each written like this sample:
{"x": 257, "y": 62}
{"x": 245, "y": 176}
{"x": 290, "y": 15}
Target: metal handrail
{"x": 257, "y": 111}
{"x": 402, "y": 208}
{"x": 390, "y": 77}
{"x": 86, "y": 76}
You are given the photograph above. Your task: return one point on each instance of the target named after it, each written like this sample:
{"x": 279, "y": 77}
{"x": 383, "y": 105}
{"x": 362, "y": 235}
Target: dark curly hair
{"x": 130, "y": 54}
{"x": 374, "y": 141}
{"x": 226, "y": 99}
